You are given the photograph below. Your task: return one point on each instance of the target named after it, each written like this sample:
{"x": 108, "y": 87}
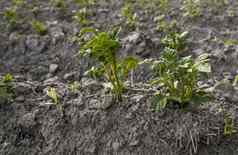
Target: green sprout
{"x": 165, "y": 26}
{"x": 103, "y": 47}
{"x": 191, "y": 8}
{"x": 85, "y": 3}
{"x": 74, "y": 87}
{"x": 81, "y": 16}
{"x": 130, "y": 17}
{"x": 178, "y": 79}
{"x": 10, "y": 16}
{"x": 229, "y": 127}
{"x": 39, "y": 27}
{"x": 6, "y": 88}
{"x": 54, "y": 96}
{"x": 176, "y": 41}
{"x": 58, "y": 3}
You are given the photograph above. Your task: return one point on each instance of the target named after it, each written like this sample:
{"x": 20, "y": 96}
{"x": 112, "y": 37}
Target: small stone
{"x": 34, "y": 43}
{"x": 20, "y": 99}
{"x": 28, "y": 120}
{"x": 69, "y": 76}
{"x": 115, "y": 146}
{"x": 134, "y": 143}
{"x": 23, "y": 88}
{"x": 132, "y": 37}
{"x": 53, "y": 68}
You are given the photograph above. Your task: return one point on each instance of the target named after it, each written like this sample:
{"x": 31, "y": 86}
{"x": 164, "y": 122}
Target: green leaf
{"x": 204, "y": 67}
{"x": 160, "y": 102}
{"x": 51, "y": 92}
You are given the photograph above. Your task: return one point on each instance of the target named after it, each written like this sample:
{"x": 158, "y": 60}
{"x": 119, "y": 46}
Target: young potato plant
{"x": 177, "y": 77}
{"x": 176, "y": 41}
{"x": 165, "y": 26}
{"x": 191, "y": 8}
{"x": 129, "y": 15}
{"x": 39, "y": 27}
{"x": 103, "y": 47}
{"x": 6, "y": 88}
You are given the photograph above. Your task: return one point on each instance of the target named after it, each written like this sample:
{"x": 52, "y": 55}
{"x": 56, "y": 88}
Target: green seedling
{"x": 81, "y": 16}
{"x": 10, "y": 16}
{"x": 176, "y": 41}
{"x": 6, "y": 88}
{"x": 229, "y": 127}
{"x": 129, "y": 15}
{"x": 103, "y": 47}
{"x": 53, "y": 95}
{"x": 74, "y": 87}
{"x": 235, "y": 81}
{"x": 39, "y": 27}
{"x": 177, "y": 77}
{"x": 17, "y": 3}
{"x": 58, "y": 3}
{"x": 84, "y": 3}
{"x": 165, "y": 26}
{"x": 191, "y": 8}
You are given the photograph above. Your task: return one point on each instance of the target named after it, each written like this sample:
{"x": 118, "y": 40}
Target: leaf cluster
{"x": 129, "y": 15}
{"x": 177, "y": 77}
{"x": 6, "y": 88}
{"x": 103, "y": 47}
{"x": 39, "y": 27}
{"x": 176, "y": 41}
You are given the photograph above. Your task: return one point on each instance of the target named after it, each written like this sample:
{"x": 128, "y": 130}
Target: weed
{"x": 74, "y": 87}
{"x": 6, "y": 88}
{"x": 129, "y": 15}
{"x": 52, "y": 93}
{"x": 58, "y": 3}
{"x": 10, "y": 16}
{"x": 178, "y": 78}
{"x": 84, "y": 3}
{"x": 191, "y": 8}
{"x": 229, "y": 127}
{"x": 164, "y": 26}
{"x": 235, "y": 80}
{"x": 103, "y": 47}
{"x": 81, "y": 16}
{"x": 230, "y": 42}
{"x": 39, "y": 27}
{"x": 176, "y": 41}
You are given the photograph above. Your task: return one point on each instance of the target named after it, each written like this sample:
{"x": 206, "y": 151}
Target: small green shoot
{"x": 10, "y": 16}
{"x": 229, "y": 127}
{"x": 103, "y": 47}
{"x": 6, "y": 88}
{"x": 129, "y": 15}
{"x": 39, "y": 27}
{"x": 81, "y": 16}
{"x": 177, "y": 77}
{"x": 165, "y": 26}
{"x": 235, "y": 80}
{"x": 84, "y": 3}
{"x": 74, "y": 87}
{"x": 191, "y": 8}
{"x": 176, "y": 41}
{"x": 58, "y": 3}
{"x": 53, "y": 95}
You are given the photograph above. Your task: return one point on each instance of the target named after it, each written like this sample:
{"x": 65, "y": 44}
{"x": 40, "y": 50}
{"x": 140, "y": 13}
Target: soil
{"x": 91, "y": 122}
